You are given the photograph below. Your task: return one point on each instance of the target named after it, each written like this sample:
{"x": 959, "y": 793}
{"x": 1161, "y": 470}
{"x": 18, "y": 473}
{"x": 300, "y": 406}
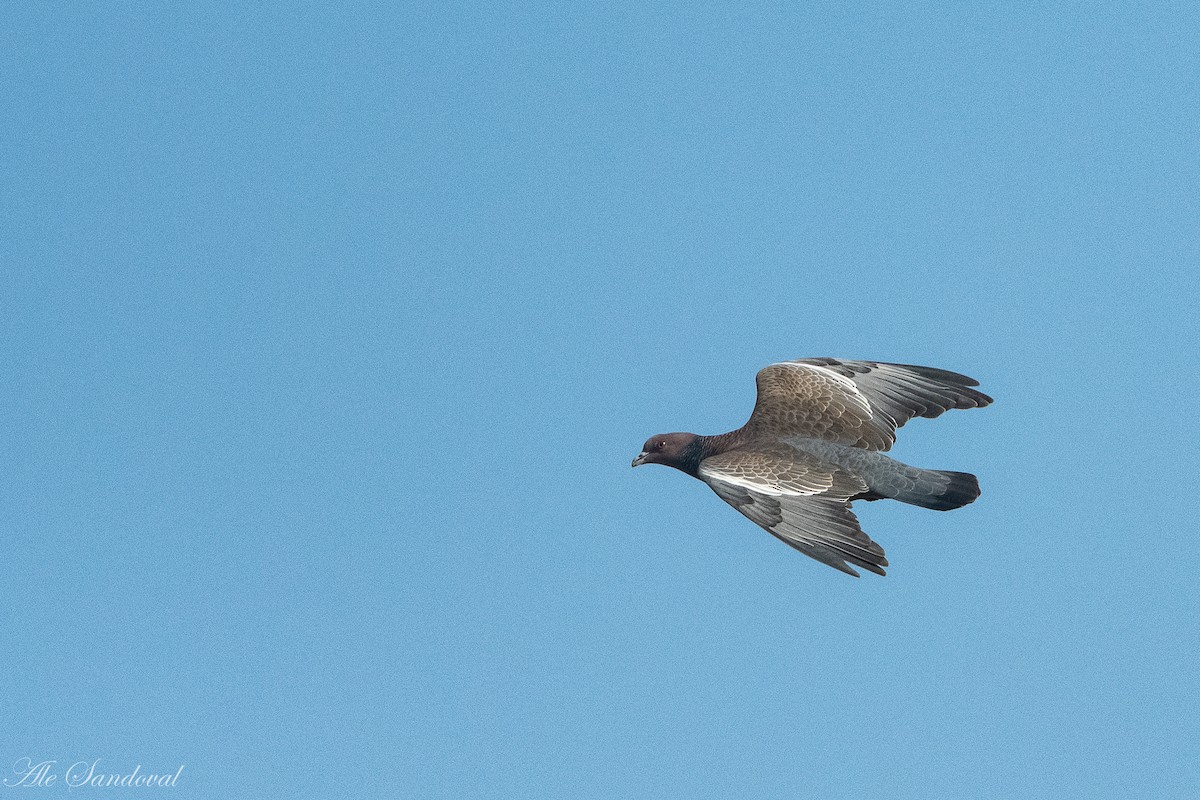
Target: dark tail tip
{"x": 963, "y": 488}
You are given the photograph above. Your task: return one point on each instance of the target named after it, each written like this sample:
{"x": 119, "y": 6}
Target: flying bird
{"x": 815, "y": 443}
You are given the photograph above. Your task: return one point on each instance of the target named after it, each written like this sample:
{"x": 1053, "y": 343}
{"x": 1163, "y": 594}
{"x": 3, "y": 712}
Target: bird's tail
{"x": 941, "y": 490}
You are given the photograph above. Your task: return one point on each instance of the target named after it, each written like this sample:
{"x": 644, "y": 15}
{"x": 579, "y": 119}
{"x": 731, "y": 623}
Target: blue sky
{"x": 329, "y": 333}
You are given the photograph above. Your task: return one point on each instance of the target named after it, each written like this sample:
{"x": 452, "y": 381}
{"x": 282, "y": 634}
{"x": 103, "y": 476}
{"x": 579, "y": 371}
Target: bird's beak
{"x": 641, "y": 459}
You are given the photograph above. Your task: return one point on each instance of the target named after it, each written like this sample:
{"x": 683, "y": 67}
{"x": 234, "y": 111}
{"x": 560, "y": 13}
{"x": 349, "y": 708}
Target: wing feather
{"x": 799, "y": 500}
{"x": 859, "y": 403}
{"x": 782, "y": 470}
{"x": 826, "y": 530}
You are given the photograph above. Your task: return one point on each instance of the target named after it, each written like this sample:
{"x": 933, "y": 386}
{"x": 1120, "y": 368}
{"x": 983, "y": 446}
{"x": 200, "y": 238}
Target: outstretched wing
{"x": 859, "y": 403}
{"x": 800, "y": 501}
{"x": 780, "y": 470}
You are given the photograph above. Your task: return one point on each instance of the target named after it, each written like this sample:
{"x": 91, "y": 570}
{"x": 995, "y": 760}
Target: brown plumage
{"x": 815, "y": 443}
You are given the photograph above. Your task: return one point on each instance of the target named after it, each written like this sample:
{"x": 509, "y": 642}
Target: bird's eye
{"x": 661, "y": 445}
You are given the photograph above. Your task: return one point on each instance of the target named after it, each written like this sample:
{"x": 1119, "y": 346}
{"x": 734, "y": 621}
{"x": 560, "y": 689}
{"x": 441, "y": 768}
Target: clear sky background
{"x": 329, "y": 332}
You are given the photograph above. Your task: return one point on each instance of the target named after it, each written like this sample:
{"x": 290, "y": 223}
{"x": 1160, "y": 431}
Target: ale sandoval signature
{"x": 27, "y": 772}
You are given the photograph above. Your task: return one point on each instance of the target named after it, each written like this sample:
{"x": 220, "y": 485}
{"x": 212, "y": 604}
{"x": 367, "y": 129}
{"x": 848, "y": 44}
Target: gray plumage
{"x": 815, "y": 443}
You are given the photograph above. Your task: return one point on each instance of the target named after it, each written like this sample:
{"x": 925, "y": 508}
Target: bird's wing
{"x": 774, "y": 469}
{"x": 859, "y": 403}
{"x": 799, "y": 501}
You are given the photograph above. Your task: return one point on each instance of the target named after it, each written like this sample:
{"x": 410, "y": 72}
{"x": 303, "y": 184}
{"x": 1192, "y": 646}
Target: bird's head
{"x": 671, "y": 449}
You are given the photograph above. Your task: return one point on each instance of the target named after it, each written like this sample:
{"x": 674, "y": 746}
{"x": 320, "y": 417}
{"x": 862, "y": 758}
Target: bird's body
{"x": 814, "y": 444}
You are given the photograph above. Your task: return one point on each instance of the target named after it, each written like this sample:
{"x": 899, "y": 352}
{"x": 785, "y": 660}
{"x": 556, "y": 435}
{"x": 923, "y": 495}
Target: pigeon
{"x": 815, "y": 443}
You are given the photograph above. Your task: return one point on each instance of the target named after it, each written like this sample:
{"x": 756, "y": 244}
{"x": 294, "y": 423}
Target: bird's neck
{"x": 701, "y": 448}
